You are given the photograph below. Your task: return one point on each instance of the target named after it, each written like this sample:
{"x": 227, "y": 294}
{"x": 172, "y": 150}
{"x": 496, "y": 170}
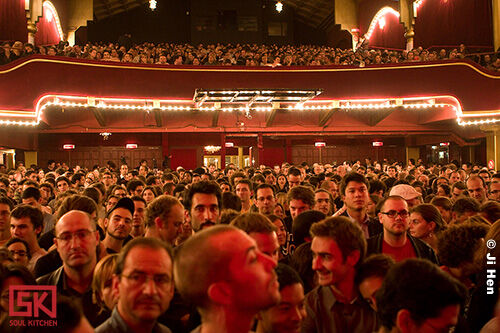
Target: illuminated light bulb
{"x": 279, "y": 6}
{"x": 152, "y": 4}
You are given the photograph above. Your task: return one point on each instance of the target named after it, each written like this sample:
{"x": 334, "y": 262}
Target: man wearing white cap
{"x": 407, "y": 192}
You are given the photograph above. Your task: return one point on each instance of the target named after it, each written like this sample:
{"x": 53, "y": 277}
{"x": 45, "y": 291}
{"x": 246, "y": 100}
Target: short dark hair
{"x": 348, "y": 236}
{"x": 431, "y": 290}
{"x": 245, "y": 181}
{"x": 231, "y": 201}
{"x": 353, "y": 177}
{"x": 375, "y": 265}
{"x": 302, "y": 223}
{"x": 466, "y": 204}
{"x": 287, "y": 276}
{"x": 63, "y": 178}
{"x": 148, "y": 242}
{"x": 134, "y": 184}
{"x": 14, "y": 240}
{"x": 6, "y": 201}
{"x": 138, "y": 198}
{"x": 254, "y": 222}
{"x": 160, "y": 207}
{"x": 204, "y": 187}
{"x": 35, "y": 214}
{"x": 303, "y": 193}
{"x": 262, "y": 186}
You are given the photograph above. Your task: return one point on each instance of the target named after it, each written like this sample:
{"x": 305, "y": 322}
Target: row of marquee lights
{"x": 185, "y": 105}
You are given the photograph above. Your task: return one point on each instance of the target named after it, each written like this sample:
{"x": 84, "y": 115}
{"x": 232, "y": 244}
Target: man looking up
{"x": 164, "y": 218}
{"x": 144, "y": 283}
{"x": 118, "y": 223}
{"x": 338, "y": 248}
{"x": 395, "y": 240}
{"x": 264, "y": 199}
{"x": 221, "y": 271}
{"x": 203, "y": 202}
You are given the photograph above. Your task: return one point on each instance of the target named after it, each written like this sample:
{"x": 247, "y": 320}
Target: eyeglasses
{"x": 81, "y": 235}
{"x": 139, "y": 279}
{"x": 393, "y": 213}
{"x": 20, "y": 253}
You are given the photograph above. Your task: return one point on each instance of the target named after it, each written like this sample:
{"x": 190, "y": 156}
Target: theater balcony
{"x": 435, "y": 111}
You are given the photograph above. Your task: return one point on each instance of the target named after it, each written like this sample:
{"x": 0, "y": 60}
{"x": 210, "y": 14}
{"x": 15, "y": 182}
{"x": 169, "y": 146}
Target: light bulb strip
{"x": 52, "y": 8}
{"x": 380, "y": 14}
{"x": 477, "y": 122}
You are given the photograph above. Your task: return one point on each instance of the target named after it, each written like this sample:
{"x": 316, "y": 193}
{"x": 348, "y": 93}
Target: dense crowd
{"x": 241, "y": 54}
{"x": 354, "y": 247}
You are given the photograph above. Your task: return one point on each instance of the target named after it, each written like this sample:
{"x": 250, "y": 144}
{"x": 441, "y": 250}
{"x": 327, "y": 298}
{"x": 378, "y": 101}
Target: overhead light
{"x": 212, "y": 149}
{"x": 377, "y": 143}
{"x": 279, "y": 6}
{"x": 131, "y": 145}
{"x": 444, "y": 144}
{"x": 320, "y": 144}
{"x": 68, "y": 147}
{"x": 152, "y": 4}
{"x": 229, "y": 144}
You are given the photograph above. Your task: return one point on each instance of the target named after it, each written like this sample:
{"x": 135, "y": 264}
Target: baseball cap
{"x": 126, "y": 203}
{"x": 405, "y": 191}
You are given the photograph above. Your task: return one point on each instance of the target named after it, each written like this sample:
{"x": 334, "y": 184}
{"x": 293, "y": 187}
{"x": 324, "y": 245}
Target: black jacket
{"x": 421, "y": 248}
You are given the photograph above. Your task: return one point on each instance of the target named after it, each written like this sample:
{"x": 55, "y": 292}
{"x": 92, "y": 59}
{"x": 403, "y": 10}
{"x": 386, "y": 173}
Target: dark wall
{"x": 170, "y": 22}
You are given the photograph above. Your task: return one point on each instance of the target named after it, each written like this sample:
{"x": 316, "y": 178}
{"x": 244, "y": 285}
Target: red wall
{"x": 367, "y": 10}
{"x": 185, "y": 157}
{"x": 391, "y": 36}
{"x": 13, "y": 21}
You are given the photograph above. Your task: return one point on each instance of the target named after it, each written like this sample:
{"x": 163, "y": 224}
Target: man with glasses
{"x": 76, "y": 241}
{"x": 143, "y": 281}
{"x": 395, "y": 240}
{"x": 265, "y": 200}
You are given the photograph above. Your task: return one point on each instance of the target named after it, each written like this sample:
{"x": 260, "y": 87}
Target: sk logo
{"x": 28, "y": 301}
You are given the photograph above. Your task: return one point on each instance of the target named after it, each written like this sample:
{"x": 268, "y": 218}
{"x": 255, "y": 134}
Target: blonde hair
{"x": 103, "y": 272}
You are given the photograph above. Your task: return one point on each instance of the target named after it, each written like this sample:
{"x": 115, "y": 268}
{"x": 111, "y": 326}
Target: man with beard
{"x": 338, "y": 248}
{"x": 76, "y": 241}
{"x": 221, "y": 271}
{"x": 203, "y": 204}
{"x": 395, "y": 240}
{"x": 118, "y": 224}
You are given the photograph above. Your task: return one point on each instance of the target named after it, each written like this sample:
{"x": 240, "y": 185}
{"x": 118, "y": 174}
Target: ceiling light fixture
{"x": 152, "y": 4}
{"x": 279, "y": 6}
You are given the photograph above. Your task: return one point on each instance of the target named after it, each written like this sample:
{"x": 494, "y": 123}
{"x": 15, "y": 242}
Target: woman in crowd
{"x": 148, "y": 194}
{"x": 425, "y": 223}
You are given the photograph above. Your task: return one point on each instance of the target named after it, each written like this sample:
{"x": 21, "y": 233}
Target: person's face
{"x": 123, "y": 170}
{"x": 297, "y": 206}
{"x": 456, "y": 193}
{"x": 485, "y": 176}
{"x": 172, "y": 224}
{"x": 454, "y": 177}
{"x": 287, "y": 316}
{"x": 252, "y": 281}
{"x": 391, "y": 172}
{"x": 108, "y": 297}
{"x": 281, "y": 181}
{"x": 62, "y": 186}
{"x": 323, "y": 203}
{"x": 328, "y": 262}
{"x": 31, "y": 202}
{"x": 148, "y": 195}
{"x": 476, "y": 189}
{"x": 225, "y": 188}
{"x": 397, "y": 225}
{"x": 368, "y": 287}
{"x": 23, "y": 228}
{"x": 107, "y": 180}
{"x": 4, "y": 217}
{"x": 111, "y": 203}
{"x": 445, "y": 322}
{"x": 495, "y": 191}
{"x": 267, "y": 243}
{"x": 76, "y": 239}
{"x": 419, "y": 227}
{"x": 356, "y": 195}
{"x": 265, "y": 201}
{"x": 120, "y": 192}
{"x": 281, "y": 233}
{"x": 204, "y": 211}
{"x": 119, "y": 223}
{"x": 278, "y": 211}
{"x": 270, "y": 179}
{"x": 138, "y": 217}
{"x": 19, "y": 252}
{"x": 293, "y": 181}
{"x": 441, "y": 192}
{"x": 146, "y": 286}
{"x": 243, "y": 191}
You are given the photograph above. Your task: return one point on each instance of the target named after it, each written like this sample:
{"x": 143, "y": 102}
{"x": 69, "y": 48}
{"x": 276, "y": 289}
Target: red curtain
{"x": 47, "y": 30}
{"x": 391, "y": 36}
{"x": 452, "y": 22}
{"x": 367, "y": 10}
{"x": 13, "y": 21}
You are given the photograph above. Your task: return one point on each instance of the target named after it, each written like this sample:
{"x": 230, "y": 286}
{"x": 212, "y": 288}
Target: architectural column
{"x": 288, "y": 150}
{"x": 496, "y": 23}
{"x": 407, "y": 18}
{"x": 241, "y": 161}
{"x": 31, "y": 33}
{"x": 260, "y": 147}
{"x": 30, "y": 157}
{"x": 492, "y": 146}
{"x": 222, "y": 151}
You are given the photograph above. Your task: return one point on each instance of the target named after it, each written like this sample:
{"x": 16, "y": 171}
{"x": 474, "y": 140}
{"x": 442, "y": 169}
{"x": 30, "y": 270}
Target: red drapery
{"x": 13, "y": 21}
{"x": 452, "y": 22}
{"x": 367, "y": 10}
{"x": 47, "y": 29}
{"x": 390, "y": 36}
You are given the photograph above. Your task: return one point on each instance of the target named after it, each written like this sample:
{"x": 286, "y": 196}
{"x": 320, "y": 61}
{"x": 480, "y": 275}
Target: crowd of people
{"x": 241, "y": 54}
{"x": 354, "y": 247}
